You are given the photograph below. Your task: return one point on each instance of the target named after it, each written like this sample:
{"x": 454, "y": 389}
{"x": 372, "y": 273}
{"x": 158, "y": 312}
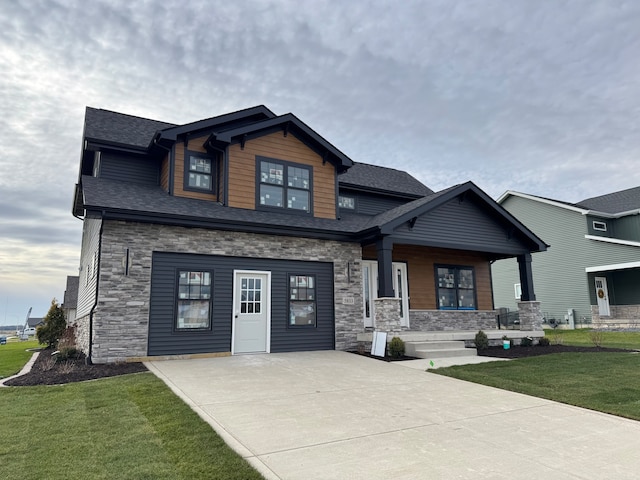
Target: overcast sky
{"x": 542, "y": 97}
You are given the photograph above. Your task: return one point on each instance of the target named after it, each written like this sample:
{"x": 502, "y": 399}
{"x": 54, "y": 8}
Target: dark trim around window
{"x": 454, "y": 289}
{"x": 353, "y": 201}
{"x": 303, "y": 301}
{"x": 198, "y": 172}
{"x": 193, "y": 294}
{"x": 284, "y": 190}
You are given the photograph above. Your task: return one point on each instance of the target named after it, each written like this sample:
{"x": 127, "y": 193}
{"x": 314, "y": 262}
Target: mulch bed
{"x": 45, "y": 372}
{"x": 386, "y": 358}
{"x": 536, "y": 350}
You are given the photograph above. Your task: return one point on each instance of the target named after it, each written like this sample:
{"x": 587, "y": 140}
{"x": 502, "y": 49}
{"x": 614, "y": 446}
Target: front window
{"x": 456, "y": 288}
{"x": 302, "y": 300}
{"x": 348, "y": 203}
{"x": 199, "y": 174}
{"x": 194, "y": 300}
{"x": 284, "y": 185}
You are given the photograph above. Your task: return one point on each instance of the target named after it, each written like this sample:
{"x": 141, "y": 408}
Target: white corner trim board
{"x": 614, "y": 266}
{"x": 612, "y": 240}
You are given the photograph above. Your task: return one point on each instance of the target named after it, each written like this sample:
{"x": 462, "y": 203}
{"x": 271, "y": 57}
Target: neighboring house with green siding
{"x": 591, "y": 271}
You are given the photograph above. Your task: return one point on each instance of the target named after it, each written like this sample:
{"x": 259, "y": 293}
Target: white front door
{"x": 602, "y": 295}
{"x": 251, "y": 312}
{"x": 370, "y": 290}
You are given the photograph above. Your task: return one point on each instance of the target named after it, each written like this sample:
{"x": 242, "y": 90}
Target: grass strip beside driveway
{"x": 606, "y": 382}
{"x": 128, "y": 427}
{"x": 14, "y": 355}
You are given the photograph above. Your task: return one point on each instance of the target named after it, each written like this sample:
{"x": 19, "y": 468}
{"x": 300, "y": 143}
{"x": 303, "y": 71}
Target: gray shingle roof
{"x": 101, "y": 193}
{"x": 616, "y": 202}
{"x": 127, "y": 130}
{"x": 71, "y": 292}
{"x": 382, "y": 178}
{"x": 121, "y": 129}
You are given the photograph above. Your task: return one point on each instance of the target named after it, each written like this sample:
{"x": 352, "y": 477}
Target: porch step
{"x": 443, "y": 349}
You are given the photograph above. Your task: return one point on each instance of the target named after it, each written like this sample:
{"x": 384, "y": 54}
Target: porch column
{"x": 526, "y": 278}
{"x": 384, "y": 247}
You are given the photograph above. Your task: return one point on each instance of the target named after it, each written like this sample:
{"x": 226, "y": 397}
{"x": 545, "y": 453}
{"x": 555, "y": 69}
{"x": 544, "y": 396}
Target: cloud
{"x": 541, "y": 97}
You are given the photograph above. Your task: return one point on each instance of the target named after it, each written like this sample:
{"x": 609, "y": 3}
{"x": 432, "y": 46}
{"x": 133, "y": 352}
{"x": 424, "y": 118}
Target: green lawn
{"x": 14, "y": 355}
{"x": 582, "y": 337}
{"x": 128, "y": 427}
{"x": 607, "y": 382}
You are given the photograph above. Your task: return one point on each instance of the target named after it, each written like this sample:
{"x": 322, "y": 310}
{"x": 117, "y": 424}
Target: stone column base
{"x": 530, "y": 315}
{"x": 387, "y": 314}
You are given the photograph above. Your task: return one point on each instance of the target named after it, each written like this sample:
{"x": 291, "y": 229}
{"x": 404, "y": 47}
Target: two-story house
{"x": 591, "y": 273}
{"x": 249, "y": 232}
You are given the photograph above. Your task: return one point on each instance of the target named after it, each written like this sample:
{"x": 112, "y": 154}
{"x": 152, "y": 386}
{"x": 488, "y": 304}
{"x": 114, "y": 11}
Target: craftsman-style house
{"x": 249, "y": 232}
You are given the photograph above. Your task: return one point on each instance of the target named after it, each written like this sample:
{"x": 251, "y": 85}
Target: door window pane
{"x": 250, "y": 295}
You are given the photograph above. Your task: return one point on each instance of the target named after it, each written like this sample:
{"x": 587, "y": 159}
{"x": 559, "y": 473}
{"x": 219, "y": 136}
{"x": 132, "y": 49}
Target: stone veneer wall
{"x": 530, "y": 316}
{"x": 440, "y": 320}
{"x": 121, "y": 318}
{"x": 387, "y": 315}
{"x": 625, "y": 315}
{"x": 82, "y": 333}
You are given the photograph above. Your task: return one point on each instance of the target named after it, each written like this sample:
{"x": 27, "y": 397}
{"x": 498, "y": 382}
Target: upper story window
{"x": 346, "y": 202}
{"x": 199, "y": 173}
{"x": 599, "y": 226}
{"x": 456, "y": 288}
{"x": 284, "y": 185}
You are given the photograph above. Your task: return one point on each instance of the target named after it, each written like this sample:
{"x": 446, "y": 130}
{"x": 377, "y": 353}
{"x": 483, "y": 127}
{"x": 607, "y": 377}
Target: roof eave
{"x": 220, "y": 224}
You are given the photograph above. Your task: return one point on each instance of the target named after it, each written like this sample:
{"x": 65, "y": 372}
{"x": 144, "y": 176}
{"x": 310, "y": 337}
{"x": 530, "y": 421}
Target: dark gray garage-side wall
{"x": 164, "y": 340}
{"x": 121, "y": 318}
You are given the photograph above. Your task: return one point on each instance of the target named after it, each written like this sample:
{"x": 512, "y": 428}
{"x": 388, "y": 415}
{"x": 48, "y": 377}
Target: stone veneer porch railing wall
{"x": 441, "y": 320}
{"x": 624, "y": 316}
{"x": 121, "y": 317}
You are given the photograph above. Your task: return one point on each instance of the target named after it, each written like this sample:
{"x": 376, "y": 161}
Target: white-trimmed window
{"x": 194, "y": 300}
{"x": 599, "y": 226}
{"x": 517, "y": 288}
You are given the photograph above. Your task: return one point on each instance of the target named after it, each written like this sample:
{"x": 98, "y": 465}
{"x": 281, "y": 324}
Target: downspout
{"x": 95, "y": 302}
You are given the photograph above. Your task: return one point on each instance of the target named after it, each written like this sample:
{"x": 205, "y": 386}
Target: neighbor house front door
{"x": 251, "y": 312}
{"x": 602, "y": 295}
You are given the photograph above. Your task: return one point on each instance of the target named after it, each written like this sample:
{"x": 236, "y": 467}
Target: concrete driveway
{"x": 335, "y": 415}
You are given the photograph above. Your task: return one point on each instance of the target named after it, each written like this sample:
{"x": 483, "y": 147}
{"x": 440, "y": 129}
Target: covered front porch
{"x": 615, "y": 295}
{"x": 426, "y": 267}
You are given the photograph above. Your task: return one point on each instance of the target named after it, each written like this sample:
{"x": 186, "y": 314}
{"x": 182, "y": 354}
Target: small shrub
{"x": 48, "y": 364}
{"x": 597, "y": 336}
{"x": 396, "y": 347}
{"x": 67, "y": 367}
{"x": 67, "y": 353}
{"x": 556, "y": 338}
{"x": 526, "y": 342}
{"x": 481, "y": 341}
{"x": 544, "y": 342}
